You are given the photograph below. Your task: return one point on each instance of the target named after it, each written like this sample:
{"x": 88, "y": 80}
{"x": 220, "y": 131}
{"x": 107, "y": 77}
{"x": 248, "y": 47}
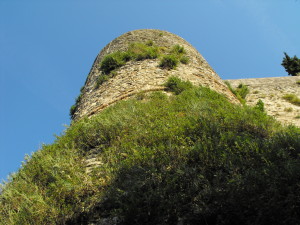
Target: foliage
{"x": 176, "y": 85}
{"x": 240, "y": 92}
{"x": 103, "y": 78}
{"x": 113, "y": 61}
{"x": 292, "y": 98}
{"x": 291, "y": 65}
{"x": 136, "y": 51}
{"x": 191, "y": 158}
{"x": 260, "y": 105}
{"x": 184, "y": 59}
{"x": 140, "y": 51}
{"x": 74, "y": 107}
{"x": 178, "y": 50}
{"x": 169, "y": 62}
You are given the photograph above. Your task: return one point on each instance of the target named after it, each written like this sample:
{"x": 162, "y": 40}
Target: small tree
{"x": 291, "y": 65}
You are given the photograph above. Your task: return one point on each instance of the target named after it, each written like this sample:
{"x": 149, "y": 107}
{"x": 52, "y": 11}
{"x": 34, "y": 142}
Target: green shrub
{"x": 74, "y": 107}
{"x": 101, "y": 79}
{"x": 292, "y": 99}
{"x": 142, "y": 51}
{"x": 136, "y": 51}
{"x": 260, "y": 105}
{"x": 184, "y": 60}
{"x": 240, "y": 92}
{"x": 112, "y": 61}
{"x": 72, "y": 110}
{"x": 168, "y": 62}
{"x": 191, "y": 158}
{"x": 176, "y": 85}
{"x": 149, "y": 43}
{"x": 178, "y": 50}
{"x": 288, "y": 109}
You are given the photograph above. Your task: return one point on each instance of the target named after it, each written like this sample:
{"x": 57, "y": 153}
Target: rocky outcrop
{"x": 146, "y": 75}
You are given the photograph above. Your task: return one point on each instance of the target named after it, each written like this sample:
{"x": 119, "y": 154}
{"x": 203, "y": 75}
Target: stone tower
{"x": 144, "y": 75}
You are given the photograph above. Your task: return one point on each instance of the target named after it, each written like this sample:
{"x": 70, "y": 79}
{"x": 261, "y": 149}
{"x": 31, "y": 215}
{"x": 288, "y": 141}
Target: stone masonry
{"x": 137, "y": 76}
{"x": 271, "y": 91}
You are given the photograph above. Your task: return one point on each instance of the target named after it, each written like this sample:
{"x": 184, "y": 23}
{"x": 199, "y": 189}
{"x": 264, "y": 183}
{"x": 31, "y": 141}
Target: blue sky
{"x": 48, "y": 47}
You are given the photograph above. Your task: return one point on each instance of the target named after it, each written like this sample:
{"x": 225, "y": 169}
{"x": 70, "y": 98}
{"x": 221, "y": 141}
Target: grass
{"x": 136, "y": 51}
{"x": 260, "y": 105}
{"x": 288, "y": 109}
{"x": 74, "y": 107}
{"x": 191, "y": 157}
{"x": 141, "y": 51}
{"x": 240, "y": 92}
{"x": 169, "y": 62}
{"x": 292, "y": 98}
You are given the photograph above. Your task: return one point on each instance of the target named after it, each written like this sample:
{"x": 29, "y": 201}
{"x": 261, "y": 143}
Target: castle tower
{"x": 135, "y": 76}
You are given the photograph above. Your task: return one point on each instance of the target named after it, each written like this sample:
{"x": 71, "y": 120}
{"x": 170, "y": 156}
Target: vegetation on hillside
{"x": 292, "y": 98}
{"x": 189, "y": 158}
{"x": 291, "y": 65}
{"x": 240, "y": 92}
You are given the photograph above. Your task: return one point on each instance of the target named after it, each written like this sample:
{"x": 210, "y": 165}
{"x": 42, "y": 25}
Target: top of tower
{"x": 142, "y": 74}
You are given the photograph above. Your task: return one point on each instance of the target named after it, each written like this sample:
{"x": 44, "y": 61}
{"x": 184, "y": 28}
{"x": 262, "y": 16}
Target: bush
{"x": 142, "y": 51}
{"x": 168, "y": 62}
{"x": 291, "y": 65}
{"x": 136, "y": 51}
{"x": 101, "y": 79}
{"x": 74, "y": 107}
{"x": 176, "y": 85}
{"x": 260, "y": 105}
{"x": 240, "y": 92}
{"x": 292, "y": 99}
{"x": 113, "y": 61}
{"x": 184, "y": 60}
{"x": 178, "y": 50}
{"x": 191, "y": 158}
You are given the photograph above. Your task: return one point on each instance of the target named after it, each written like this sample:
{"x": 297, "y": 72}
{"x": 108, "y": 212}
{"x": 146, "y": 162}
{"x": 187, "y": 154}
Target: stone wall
{"x": 137, "y": 76}
{"x": 271, "y": 91}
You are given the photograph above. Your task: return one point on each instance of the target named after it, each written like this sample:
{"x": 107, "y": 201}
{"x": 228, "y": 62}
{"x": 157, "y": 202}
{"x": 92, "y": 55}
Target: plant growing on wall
{"x": 74, "y": 107}
{"x": 240, "y": 92}
{"x": 141, "y": 51}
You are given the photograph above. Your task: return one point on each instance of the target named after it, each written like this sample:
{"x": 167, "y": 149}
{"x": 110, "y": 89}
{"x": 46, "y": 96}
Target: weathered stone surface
{"x": 270, "y": 91}
{"x": 136, "y": 76}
